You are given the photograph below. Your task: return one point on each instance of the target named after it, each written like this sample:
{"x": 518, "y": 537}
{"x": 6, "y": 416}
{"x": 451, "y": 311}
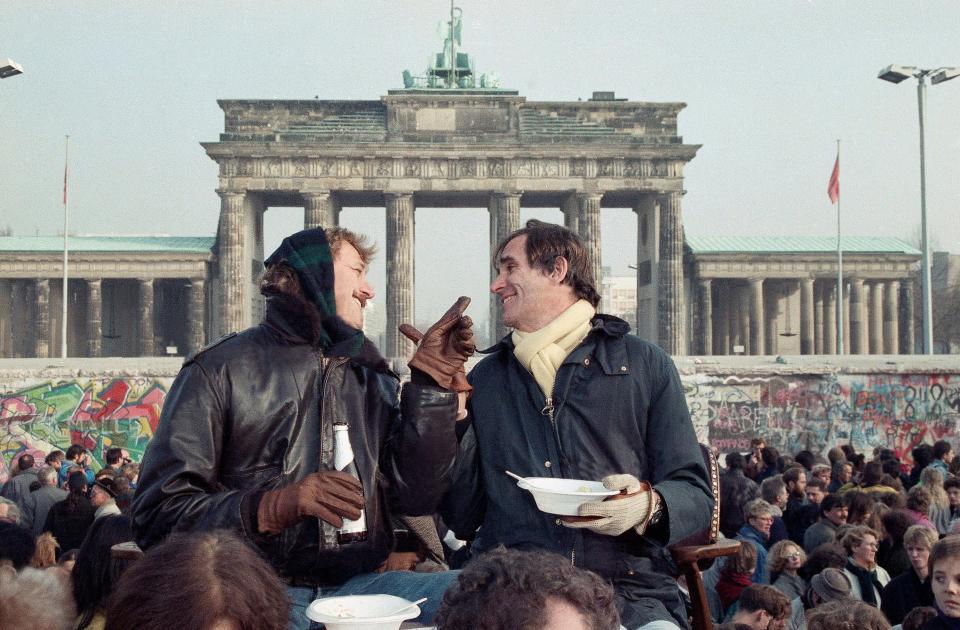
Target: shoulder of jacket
{"x": 207, "y": 348}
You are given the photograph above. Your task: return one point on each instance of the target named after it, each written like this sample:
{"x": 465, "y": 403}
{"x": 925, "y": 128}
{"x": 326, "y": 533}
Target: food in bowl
{"x": 564, "y": 496}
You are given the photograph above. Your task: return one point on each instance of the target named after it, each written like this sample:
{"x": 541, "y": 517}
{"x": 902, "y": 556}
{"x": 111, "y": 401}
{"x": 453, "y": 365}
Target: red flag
{"x": 833, "y": 188}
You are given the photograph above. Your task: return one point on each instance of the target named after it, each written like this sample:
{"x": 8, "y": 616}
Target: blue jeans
{"x": 405, "y": 584}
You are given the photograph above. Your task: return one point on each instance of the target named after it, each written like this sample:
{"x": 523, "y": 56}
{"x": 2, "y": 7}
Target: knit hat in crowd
{"x": 831, "y": 584}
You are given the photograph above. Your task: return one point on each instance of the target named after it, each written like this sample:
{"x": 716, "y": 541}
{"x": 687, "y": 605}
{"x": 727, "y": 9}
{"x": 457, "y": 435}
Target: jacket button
{"x": 629, "y": 572}
{"x": 559, "y": 522}
{"x": 586, "y": 361}
{"x": 623, "y": 368}
{"x": 547, "y": 464}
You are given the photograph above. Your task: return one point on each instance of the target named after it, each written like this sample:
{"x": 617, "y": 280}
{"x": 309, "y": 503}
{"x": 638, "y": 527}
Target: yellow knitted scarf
{"x": 542, "y": 351}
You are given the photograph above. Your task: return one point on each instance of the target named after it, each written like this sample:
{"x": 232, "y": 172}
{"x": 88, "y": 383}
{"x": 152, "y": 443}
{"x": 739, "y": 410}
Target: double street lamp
{"x": 895, "y": 74}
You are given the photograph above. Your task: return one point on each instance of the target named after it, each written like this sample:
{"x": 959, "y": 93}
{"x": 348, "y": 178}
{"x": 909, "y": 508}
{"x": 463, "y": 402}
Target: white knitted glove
{"x": 630, "y": 509}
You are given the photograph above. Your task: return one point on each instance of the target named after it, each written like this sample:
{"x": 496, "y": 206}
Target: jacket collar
{"x": 601, "y": 325}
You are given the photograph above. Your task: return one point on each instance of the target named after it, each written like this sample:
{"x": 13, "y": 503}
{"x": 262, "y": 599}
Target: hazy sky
{"x": 769, "y": 85}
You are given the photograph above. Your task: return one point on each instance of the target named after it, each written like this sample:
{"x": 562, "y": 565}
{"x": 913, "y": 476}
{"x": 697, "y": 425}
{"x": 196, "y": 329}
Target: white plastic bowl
{"x": 564, "y": 496}
{"x": 367, "y": 612}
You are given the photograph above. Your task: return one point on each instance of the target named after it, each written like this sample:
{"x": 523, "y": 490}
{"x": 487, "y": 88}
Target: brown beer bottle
{"x": 351, "y": 531}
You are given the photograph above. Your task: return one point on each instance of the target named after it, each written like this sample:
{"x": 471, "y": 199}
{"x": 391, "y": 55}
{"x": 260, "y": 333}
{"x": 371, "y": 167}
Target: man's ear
{"x": 561, "y": 267}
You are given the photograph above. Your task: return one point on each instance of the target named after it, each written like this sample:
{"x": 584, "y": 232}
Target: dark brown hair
{"x": 762, "y": 597}
{"x": 508, "y": 588}
{"x": 203, "y": 577}
{"x": 545, "y": 243}
{"x": 946, "y": 547}
{"x": 846, "y": 614}
{"x": 744, "y": 561}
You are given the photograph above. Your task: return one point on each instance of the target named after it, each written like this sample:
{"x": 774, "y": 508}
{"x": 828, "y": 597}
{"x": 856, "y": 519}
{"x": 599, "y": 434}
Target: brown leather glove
{"x": 328, "y": 495}
{"x": 445, "y": 347}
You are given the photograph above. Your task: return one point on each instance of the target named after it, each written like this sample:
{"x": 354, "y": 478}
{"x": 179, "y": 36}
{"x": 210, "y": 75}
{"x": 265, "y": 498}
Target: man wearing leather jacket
{"x": 570, "y": 394}
{"x": 245, "y": 439}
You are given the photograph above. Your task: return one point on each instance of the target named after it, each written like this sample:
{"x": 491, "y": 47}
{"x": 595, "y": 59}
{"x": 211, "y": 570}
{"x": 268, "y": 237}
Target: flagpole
{"x": 839, "y": 273}
{"x": 65, "y": 300}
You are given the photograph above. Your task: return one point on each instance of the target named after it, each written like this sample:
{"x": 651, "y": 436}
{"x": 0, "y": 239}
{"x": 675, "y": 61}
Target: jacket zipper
{"x": 549, "y": 410}
{"x": 325, "y": 375}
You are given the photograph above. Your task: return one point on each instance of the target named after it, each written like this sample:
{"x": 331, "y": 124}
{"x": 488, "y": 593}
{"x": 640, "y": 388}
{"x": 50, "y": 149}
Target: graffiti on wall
{"x": 38, "y": 417}
{"x": 817, "y": 412}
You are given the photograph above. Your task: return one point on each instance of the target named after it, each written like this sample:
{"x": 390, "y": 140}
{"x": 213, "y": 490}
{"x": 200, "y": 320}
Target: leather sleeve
{"x": 464, "y": 506}
{"x": 422, "y": 447}
{"x": 178, "y": 488}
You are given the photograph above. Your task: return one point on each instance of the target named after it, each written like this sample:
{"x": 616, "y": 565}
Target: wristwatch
{"x": 658, "y": 511}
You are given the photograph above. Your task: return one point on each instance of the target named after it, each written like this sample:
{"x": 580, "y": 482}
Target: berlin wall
{"x": 794, "y": 403}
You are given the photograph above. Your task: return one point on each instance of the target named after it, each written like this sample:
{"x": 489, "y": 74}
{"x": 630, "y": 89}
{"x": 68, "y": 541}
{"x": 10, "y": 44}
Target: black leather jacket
{"x": 255, "y": 410}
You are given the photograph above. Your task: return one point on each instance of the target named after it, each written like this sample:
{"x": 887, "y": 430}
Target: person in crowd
{"x": 836, "y": 454}
{"x": 69, "y": 519}
{"x": 124, "y": 494}
{"x": 16, "y": 545}
{"x": 867, "y": 579}
{"x": 942, "y": 456}
{"x": 762, "y": 607}
{"x": 784, "y": 560}
{"x": 892, "y": 554}
{"x": 45, "y": 553}
{"x": 76, "y": 457}
{"x": 38, "y": 504}
{"x": 816, "y": 490}
{"x": 755, "y": 457}
{"x": 860, "y": 507}
{"x": 799, "y": 520}
{"x": 833, "y": 514}
{"x": 736, "y": 490}
{"x": 54, "y": 459}
{"x": 770, "y": 459}
{"x": 9, "y": 512}
{"x": 212, "y": 578}
{"x": 807, "y": 460}
{"x": 826, "y": 556}
{"x": 67, "y": 560}
{"x": 94, "y": 574}
{"x": 871, "y": 481}
{"x": 244, "y": 439}
{"x": 103, "y": 497}
{"x": 620, "y": 417}
{"x": 756, "y": 532}
{"x": 132, "y": 472}
{"x": 932, "y": 479}
{"x": 922, "y": 455}
{"x": 827, "y": 585}
{"x": 17, "y": 488}
{"x": 35, "y": 599}
{"x": 842, "y": 475}
{"x": 823, "y": 472}
{"x": 544, "y": 589}
{"x": 774, "y": 491}
{"x": 911, "y": 588}
{"x": 795, "y": 478}
{"x": 735, "y": 576}
{"x": 918, "y": 506}
{"x": 846, "y": 615}
{"x": 944, "y": 567}
{"x": 952, "y": 488}
{"x": 115, "y": 458}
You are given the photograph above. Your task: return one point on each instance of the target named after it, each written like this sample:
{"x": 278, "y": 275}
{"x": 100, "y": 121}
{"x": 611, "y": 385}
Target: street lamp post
{"x": 895, "y": 74}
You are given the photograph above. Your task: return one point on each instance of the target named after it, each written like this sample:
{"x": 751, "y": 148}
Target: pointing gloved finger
{"x": 410, "y": 332}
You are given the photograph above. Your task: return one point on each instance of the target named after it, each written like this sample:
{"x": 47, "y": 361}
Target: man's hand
{"x": 631, "y": 509}
{"x": 330, "y": 496}
{"x": 445, "y": 347}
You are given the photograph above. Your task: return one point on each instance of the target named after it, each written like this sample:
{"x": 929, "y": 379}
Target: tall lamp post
{"x": 895, "y": 74}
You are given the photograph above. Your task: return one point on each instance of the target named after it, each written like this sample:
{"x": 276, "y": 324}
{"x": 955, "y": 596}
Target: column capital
{"x": 589, "y": 195}
{"x": 146, "y": 280}
{"x": 397, "y": 194}
{"x": 507, "y": 193}
{"x": 309, "y": 195}
{"x": 231, "y": 194}
{"x": 705, "y": 282}
{"x": 93, "y": 281}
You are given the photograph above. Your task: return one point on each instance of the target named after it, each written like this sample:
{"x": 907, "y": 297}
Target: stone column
{"x": 891, "y": 317}
{"x": 41, "y": 343}
{"x": 400, "y": 243}
{"x": 829, "y": 317}
{"x": 756, "y": 317}
{"x": 908, "y": 342}
{"x": 772, "y": 307}
{"x": 318, "y": 210}
{"x": 231, "y": 261}
{"x": 504, "y": 221}
{"x": 147, "y": 346}
{"x": 858, "y": 323}
{"x": 876, "y": 318}
{"x": 196, "y": 314}
{"x": 94, "y": 318}
{"x": 818, "y": 314}
{"x": 19, "y": 327}
{"x": 706, "y": 316}
{"x": 806, "y": 316}
{"x": 670, "y": 276}
{"x": 571, "y": 213}
{"x": 589, "y": 224}
{"x": 743, "y": 309}
{"x": 721, "y": 340}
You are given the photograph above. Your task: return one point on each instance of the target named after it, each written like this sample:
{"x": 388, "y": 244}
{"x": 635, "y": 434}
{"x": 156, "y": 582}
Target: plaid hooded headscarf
{"x": 308, "y": 254}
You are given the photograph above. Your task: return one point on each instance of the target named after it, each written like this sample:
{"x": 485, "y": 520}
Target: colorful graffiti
{"x": 99, "y": 413}
{"x": 817, "y": 412}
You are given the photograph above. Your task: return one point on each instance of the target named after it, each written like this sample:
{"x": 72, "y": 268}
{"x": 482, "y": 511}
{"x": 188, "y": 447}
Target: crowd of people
{"x": 290, "y": 463}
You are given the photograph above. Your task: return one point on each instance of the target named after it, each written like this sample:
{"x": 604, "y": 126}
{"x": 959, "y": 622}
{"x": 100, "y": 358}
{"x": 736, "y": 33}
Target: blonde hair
{"x": 776, "y": 557}
{"x": 45, "y": 554}
{"x": 932, "y": 480}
